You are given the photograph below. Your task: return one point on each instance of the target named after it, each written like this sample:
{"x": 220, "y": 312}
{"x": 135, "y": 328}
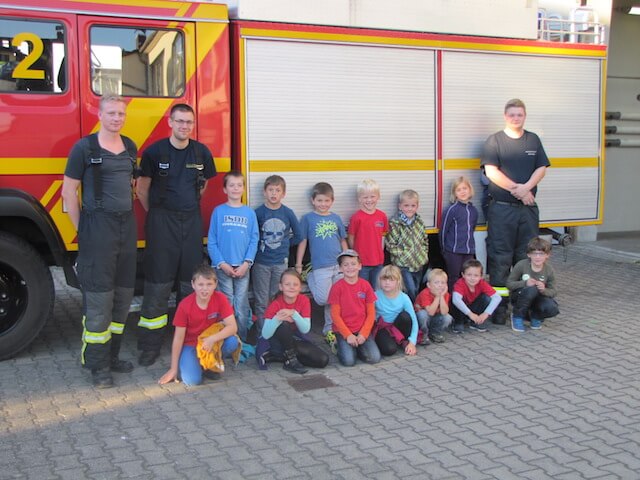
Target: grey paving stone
{"x": 469, "y": 408}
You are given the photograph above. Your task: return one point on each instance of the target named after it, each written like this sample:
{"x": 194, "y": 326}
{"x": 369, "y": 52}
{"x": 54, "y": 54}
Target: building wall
{"x": 622, "y": 209}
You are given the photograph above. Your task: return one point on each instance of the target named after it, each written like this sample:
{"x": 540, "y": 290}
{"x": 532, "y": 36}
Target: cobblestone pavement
{"x": 560, "y": 403}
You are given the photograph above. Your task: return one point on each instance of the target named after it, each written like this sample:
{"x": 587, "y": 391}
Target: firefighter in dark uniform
{"x": 515, "y": 162}
{"x": 174, "y": 172}
{"x": 104, "y": 165}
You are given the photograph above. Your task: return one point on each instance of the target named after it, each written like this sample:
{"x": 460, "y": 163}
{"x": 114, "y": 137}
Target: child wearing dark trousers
{"x": 532, "y": 287}
{"x": 287, "y": 321}
{"x": 473, "y": 299}
{"x": 397, "y": 323}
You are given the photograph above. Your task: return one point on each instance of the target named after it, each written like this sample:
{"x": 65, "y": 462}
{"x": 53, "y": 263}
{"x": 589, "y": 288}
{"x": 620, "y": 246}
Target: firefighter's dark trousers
{"x": 173, "y": 251}
{"x": 511, "y": 226}
{"x": 106, "y": 271}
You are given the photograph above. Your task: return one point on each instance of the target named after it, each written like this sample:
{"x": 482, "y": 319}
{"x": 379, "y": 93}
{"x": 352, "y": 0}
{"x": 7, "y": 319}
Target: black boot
{"x": 292, "y": 364}
{"x": 148, "y": 357}
{"x": 101, "y": 377}
{"x": 117, "y": 365}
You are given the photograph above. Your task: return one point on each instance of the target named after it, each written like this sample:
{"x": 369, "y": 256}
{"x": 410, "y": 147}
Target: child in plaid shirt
{"x": 407, "y": 242}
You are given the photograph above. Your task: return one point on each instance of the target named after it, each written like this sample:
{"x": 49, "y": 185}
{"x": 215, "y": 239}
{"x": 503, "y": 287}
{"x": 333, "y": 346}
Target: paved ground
{"x": 561, "y": 403}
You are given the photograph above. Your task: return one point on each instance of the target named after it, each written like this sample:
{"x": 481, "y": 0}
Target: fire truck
{"x": 335, "y": 96}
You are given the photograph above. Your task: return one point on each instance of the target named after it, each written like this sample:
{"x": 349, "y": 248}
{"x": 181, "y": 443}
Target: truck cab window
{"x": 137, "y": 62}
{"x": 31, "y": 56}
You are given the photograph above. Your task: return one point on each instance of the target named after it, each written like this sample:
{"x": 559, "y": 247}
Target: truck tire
{"x": 26, "y": 294}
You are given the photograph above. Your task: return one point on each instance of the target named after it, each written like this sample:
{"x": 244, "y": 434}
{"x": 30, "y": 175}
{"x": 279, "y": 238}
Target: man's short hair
{"x": 276, "y": 180}
{"x": 110, "y": 97}
{"x": 182, "y": 107}
{"x": 322, "y": 188}
{"x": 205, "y": 271}
{"x": 515, "y": 102}
{"x": 538, "y": 244}
{"x": 232, "y": 174}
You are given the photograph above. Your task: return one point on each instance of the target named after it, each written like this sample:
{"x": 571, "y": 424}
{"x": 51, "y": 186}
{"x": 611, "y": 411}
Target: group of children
{"x": 367, "y": 313}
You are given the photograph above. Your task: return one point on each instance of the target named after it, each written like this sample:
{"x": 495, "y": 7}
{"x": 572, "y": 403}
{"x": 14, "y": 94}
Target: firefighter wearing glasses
{"x": 174, "y": 173}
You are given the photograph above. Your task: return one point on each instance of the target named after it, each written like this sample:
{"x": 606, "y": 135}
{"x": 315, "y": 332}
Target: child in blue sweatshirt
{"x": 232, "y": 245}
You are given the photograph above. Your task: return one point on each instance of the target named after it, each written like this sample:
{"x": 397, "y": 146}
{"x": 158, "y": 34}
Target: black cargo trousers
{"x": 106, "y": 271}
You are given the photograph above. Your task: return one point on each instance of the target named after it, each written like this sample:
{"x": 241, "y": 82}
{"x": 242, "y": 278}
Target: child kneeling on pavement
{"x": 532, "y": 287}
{"x": 473, "y": 299}
{"x": 195, "y": 314}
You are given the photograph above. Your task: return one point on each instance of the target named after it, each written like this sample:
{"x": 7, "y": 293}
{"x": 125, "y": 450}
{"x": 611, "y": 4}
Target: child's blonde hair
{"x": 367, "y": 186}
{"x": 435, "y": 273}
{"x": 392, "y": 272}
{"x": 456, "y": 183}
{"x": 408, "y": 194}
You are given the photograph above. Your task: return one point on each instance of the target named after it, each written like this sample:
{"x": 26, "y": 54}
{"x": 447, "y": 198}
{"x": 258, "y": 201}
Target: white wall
{"x": 622, "y": 171}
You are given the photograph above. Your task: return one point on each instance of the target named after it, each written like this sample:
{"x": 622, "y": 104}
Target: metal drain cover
{"x": 310, "y": 382}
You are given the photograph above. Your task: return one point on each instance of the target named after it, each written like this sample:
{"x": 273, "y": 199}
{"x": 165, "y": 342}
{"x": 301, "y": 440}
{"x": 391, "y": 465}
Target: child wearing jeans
{"x": 367, "y": 229}
{"x": 473, "y": 300}
{"x": 532, "y": 286}
{"x": 397, "y": 323}
{"x": 456, "y": 232}
{"x": 353, "y": 312}
{"x": 432, "y": 306}
{"x": 408, "y": 243}
{"x": 197, "y": 312}
{"x": 233, "y": 241}
{"x": 279, "y": 228}
{"x": 324, "y": 233}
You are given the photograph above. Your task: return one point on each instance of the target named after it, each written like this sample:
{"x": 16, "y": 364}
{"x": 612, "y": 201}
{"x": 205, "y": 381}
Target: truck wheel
{"x": 26, "y": 294}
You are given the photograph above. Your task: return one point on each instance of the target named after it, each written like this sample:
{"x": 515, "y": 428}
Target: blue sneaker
{"x": 517, "y": 324}
{"x": 458, "y": 328}
{"x": 536, "y": 324}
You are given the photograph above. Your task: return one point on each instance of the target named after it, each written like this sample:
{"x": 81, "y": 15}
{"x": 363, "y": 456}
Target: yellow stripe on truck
{"x": 338, "y": 165}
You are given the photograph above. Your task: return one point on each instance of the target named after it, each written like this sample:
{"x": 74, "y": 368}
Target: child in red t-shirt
{"x": 473, "y": 300}
{"x": 432, "y": 306}
{"x": 353, "y": 312}
{"x": 286, "y": 321}
{"x": 367, "y": 228}
{"x": 195, "y": 313}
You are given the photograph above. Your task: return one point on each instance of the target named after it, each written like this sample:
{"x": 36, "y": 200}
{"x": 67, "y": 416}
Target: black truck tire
{"x": 26, "y": 294}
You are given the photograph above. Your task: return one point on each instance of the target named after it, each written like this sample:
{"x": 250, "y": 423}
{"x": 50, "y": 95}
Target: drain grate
{"x": 310, "y": 382}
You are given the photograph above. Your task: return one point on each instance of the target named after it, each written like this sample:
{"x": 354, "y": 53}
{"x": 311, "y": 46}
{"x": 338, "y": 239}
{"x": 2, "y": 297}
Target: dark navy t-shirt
{"x": 180, "y": 193}
{"x": 517, "y": 158}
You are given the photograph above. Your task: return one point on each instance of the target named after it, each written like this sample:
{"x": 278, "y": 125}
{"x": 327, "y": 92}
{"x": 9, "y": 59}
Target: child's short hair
{"x": 515, "y": 102}
{"x": 368, "y": 186}
{"x": 437, "y": 273}
{"x": 456, "y": 183}
{"x": 275, "y": 180}
{"x": 348, "y": 253}
{"x": 472, "y": 263}
{"x": 408, "y": 195}
{"x": 292, "y": 272}
{"x": 322, "y": 188}
{"x": 232, "y": 174}
{"x": 392, "y": 272}
{"x": 538, "y": 244}
{"x": 205, "y": 271}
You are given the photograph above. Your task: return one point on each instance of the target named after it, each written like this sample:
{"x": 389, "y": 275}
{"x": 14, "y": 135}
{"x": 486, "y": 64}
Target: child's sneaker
{"x": 458, "y": 328}
{"x": 478, "y": 327}
{"x": 436, "y": 338}
{"x": 535, "y": 324}
{"x": 330, "y": 338}
{"x": 517, "y": 324}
